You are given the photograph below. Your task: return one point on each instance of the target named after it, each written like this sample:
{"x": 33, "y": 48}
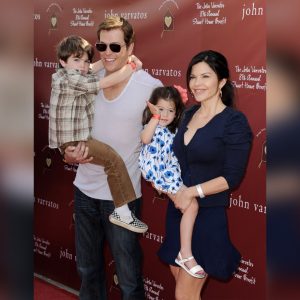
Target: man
{"x": 117, "y": 122}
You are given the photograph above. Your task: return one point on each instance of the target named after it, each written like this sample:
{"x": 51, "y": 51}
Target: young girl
{"x": 160, "y": 166}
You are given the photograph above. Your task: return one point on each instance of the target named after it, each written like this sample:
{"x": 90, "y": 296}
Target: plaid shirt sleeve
{"x": 72, "y": 82}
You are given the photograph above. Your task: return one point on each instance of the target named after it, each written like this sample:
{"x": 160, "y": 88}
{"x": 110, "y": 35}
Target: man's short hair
{"x": 116, "y": 22}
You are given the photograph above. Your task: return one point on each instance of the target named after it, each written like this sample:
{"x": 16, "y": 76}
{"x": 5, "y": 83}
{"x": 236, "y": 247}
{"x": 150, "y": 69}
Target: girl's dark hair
{"x": 74, "y": 45}
{"x": 218, "y": 63}
{"x": 168, "y": 93}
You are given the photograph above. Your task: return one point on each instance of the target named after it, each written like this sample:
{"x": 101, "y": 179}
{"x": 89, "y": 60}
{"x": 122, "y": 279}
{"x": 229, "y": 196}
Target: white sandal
{"x": 194, "y": 271}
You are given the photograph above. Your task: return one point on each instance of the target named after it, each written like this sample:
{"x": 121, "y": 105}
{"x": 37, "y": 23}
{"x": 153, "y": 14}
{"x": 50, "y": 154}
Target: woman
{"x": 212, "y": 145}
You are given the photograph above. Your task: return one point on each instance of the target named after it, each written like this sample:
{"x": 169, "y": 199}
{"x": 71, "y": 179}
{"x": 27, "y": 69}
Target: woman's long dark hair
{"x": 218, "y": 63}
{"x": 167, "y": 93}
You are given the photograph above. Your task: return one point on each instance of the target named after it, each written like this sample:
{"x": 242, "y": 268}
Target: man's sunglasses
{"x": 114, "y": 47}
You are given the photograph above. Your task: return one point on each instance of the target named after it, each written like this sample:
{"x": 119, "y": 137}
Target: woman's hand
{"x": 182, "y": 199}
{"x": 77, "y": 154}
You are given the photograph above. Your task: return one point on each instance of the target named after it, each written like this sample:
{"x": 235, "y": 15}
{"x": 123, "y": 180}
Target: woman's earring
{"x": 220, "y": 94}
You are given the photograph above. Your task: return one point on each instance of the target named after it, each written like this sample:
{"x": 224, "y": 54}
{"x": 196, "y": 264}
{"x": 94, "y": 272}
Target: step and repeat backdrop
{"x": 168, "y": 34}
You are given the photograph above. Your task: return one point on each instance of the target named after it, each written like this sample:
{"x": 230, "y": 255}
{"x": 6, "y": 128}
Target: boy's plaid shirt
{"x": 71, "y": 106}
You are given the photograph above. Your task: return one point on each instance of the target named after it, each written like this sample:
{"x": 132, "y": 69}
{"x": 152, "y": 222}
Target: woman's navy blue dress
{"x": 220, "y": 148}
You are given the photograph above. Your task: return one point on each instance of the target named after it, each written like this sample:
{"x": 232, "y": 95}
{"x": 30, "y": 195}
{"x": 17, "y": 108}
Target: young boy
{"x": 71, "y": 112}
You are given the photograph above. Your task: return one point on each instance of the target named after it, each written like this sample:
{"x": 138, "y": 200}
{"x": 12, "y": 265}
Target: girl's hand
{"x": 137, "y": 62}
{"x": 77, "y": 154}
{"x": 153, "y": 109}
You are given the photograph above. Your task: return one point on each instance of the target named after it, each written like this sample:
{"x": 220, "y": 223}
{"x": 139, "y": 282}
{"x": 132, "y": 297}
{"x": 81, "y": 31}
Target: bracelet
{"x": 133, "y": 65}
{"x": 200, "y": 191}
{"x": 156, "y": 116}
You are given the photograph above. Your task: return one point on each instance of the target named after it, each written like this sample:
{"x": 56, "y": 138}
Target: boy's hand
{"x": 153, "y": 109}
{"x": 77, "y": 154}
{"x": 137, "y": 62}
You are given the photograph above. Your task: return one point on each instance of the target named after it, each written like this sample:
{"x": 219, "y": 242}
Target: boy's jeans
{"x": 92, "y": 228}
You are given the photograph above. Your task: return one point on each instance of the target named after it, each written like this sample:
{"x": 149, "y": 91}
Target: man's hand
{"x": 77, "y": 154}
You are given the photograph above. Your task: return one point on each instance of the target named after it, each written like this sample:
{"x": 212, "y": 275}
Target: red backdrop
{"x": 169, "y": 33}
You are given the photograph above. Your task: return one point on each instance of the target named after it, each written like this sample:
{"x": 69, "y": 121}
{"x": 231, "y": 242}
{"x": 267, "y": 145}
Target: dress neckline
{"x": 203, "y": 127}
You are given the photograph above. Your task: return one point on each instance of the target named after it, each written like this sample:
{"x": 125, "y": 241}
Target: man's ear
{"x": 130, "y": 48}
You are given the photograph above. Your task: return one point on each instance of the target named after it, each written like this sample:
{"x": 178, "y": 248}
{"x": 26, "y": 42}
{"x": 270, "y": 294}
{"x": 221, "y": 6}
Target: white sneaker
{"x": 134, "y": 224}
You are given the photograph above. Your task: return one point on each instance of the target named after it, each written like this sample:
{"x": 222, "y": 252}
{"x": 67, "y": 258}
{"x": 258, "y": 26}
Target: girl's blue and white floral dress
{"x": 158, "y": 163}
